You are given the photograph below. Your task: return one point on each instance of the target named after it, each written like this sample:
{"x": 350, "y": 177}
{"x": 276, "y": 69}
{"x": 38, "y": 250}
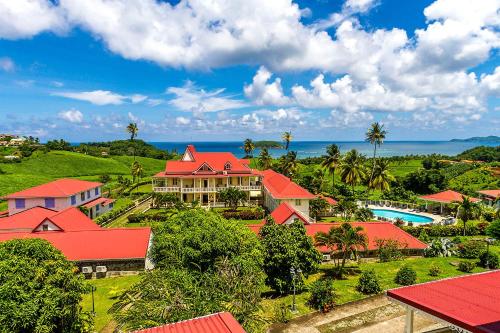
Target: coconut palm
{"x": 287, "y": 137}
{"x": 331, "y": 161}
{"x": 352, "y": 170}
{"x": 248, "y": 147}
{"x": 346, "y": 208}
{"x": 376, "y": 136}
{"x": 468, "y": 210}
{"x": 288, "y": 163}
{"x": 132, "y": 129}
{"x": 381, "y": 178}
{"x": 345, "y": 240}
{"x": 265, "y": 159}
{"x": 137, "y": 171}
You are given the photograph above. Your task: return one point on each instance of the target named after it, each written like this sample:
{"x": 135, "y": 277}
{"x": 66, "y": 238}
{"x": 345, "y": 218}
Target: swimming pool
{"x": 407, "y": 217}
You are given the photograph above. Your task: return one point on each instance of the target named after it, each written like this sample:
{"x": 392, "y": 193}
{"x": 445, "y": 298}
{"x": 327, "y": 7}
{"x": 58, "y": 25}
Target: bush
{"x": 424, "y": 237}
{"x": 406, "y": 276}
{"x": 138, "y": 218}
{"x": 466, "y": 266}
{"x": 104, "y": 178}
{"x": 243, "y": 215}
{"x": 471, "y": 249}
{"x": 442, "y": 247}
{"x": 488, "y": 260}
{"x": 493, "y": 230}
{"x": 322, "y": 295}
{"x": 434, "y": 270}
{"x": 446, "y": 230}
{"x": 281, "y": 313}
{"x": 390, "y": 249}
{"x": 368, "y": 283}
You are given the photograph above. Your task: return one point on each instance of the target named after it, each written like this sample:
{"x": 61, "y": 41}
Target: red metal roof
{"x": 70, "y": 219}
{"x": 447, "y": 196}
{"x": 284, "y": 211}
{"x": 101, "y": 244}
{"x": 331, "y": 201}
{"x": 222, "y": 322}
{"x": 99, "y": 201}
{"x": 471, "y": 302}
{"x": 59, "y": 188}
{"x": 491, "y": 193}
{"x": 373, "y": 230}
{"x": 281, "y": 187}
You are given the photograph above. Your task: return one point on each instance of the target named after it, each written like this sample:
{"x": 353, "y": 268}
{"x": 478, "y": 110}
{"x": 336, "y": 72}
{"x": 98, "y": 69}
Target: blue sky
{"x": 324, "y": 69}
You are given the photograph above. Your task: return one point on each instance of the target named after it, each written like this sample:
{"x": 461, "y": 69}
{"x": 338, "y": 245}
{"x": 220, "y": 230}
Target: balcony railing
{"x": 211, "y": 189}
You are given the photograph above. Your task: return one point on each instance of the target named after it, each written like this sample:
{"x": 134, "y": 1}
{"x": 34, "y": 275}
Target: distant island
{"x": 491, "y": 138}
{"x": 267, "y": 144}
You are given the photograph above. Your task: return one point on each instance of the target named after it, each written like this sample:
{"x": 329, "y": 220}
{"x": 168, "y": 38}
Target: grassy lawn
{"x": 104, "y": 295}
{"x": 346, "y": 289}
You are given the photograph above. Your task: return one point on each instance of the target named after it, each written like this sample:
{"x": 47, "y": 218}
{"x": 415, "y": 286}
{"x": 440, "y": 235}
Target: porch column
{"x": 182, "y": 196}
{"x": 409, "y": 320}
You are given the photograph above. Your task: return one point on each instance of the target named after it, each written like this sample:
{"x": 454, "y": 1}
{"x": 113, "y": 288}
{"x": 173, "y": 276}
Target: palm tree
{"x": 468, "y": 210}
{"x": 288, "y": 163}
{"x": 133, "y": 129}
{"x": 265, "y": 159}
{"x": 346, "y": 208}
{"x": 352, "y": 170}
{"x": 345, "y": 240}
{"x": 248, "y": 146}
{"x": 331, "y": 161}
{"x": 137, "y": 171}
{"x": 381, "y": 176}
{"x": 375, "y": 135}
{"x": 287, "y": 137}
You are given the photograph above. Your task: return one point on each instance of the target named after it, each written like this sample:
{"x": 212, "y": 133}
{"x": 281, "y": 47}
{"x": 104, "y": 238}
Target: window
{"x": 110, "y": 205}
{"x": 82, "y": 196}
{"x": 174, "y": 181}
{"x": 227, "y": 166}
{"x": 45, "y": 227}
{"x": 97, "y": 208}
{"x": 50, "y": 202}
{"x": 20, "y": 203}
{"x": 73, "y": 200}
{"x": 97, "y": 191}
{"x": 297, "y": 202}
{"x": 88, "y": 194}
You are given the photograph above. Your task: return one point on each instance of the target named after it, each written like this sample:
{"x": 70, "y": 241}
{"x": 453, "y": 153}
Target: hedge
{"x": 113, "y": 214}
{"x": 446, "y": 230}
{"x": 137, "y": 218}
{"x": 242, "y": 215}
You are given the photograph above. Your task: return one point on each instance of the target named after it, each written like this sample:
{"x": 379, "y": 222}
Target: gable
{"x": 205, "y": 167}
{"x": 47, "y": 225}
{"x": 188, "y": 156}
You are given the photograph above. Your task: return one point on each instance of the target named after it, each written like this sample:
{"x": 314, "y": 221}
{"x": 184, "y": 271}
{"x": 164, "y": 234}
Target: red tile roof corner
{"x": 447, "y": 196}
{"x": 284, "y": 211}
{"x": 282, "y": 187}
{"x": 59, "y": 188}
{"x": 222, "y": 322}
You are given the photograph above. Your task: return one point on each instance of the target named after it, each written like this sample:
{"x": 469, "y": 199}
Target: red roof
{"x": 215, "y": 162}
{"x": 101, "y": 244}
{"x": 448, "y": 196}
{"x": 331, "y": 201}
{"x": 222, "y": 322}
{"x": 282, "y": 187}
{"x": 491, "y": 193}
{"x": 470, "y": 302}
{"x": 70, "y": 219}
{"x": 99, "y": 201}
{"x": 284, "y": 211}
{"x": 373, "y": 231}
{"x": 59, "y": 188}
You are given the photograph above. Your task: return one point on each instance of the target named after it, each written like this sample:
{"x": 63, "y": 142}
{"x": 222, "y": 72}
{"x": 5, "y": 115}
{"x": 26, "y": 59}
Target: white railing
{"x": 176, "y": 189}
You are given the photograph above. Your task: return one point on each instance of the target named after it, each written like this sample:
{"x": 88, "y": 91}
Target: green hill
{"x": 43, "y": 167}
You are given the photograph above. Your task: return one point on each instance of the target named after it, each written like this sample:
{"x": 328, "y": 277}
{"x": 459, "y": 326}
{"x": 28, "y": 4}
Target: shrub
{"x": 406, "y": 276}
{"x": 442, "y": 247}
{"x": 466, "y": 266}
{"x": 390, "y": 249}
{"x": 137, "y": 218}
{"x": 281, "y": 313}
{"x": 471, "y": 249}
{"x": 434, "y": 270}
{"x": 368, "y": 283}
{"x": 424, "y": 237}
{"x": 322, "y": 295}
{"x": 243, "y": 214}
{"x": 399, "y": 222}
{"x": 445, "y": 230}
{"x": 104, "y": 178}
{"x": 488, "y": 260}
{"x": 493, "y": 230}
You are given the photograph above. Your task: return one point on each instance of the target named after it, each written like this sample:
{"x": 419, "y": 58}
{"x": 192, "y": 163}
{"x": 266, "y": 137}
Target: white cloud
{"x": 340, "y": 119}
{"x": 263, "y": 93}
{"x": 57, "y": 84}
{"x": 7, "y": 65}
{"x": 72, "y": 116}
{"x": 182, "y": 121}
{"x": 102, "y": 97}
{"x": 191, "y": 98}
{"x": 491, "y": 82}
{"x": 26, "y": 18}
{"x": 349, "y": 9}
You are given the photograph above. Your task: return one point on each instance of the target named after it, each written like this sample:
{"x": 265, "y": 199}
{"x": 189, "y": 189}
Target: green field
{"x": 43, "y": 167}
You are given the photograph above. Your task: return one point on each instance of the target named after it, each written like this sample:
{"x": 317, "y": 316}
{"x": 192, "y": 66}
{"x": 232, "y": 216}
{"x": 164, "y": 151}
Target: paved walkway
{"x": 122, "y": 220}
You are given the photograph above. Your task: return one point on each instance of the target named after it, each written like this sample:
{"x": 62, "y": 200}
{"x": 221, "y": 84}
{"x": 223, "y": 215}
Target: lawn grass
{"x": 44, "y": 167}
{"x": 104, "y": 297}
{"x": 346, "y": 288}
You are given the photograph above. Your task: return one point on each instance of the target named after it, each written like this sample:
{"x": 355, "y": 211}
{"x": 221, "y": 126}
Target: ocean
{"x": 317, "y": 148}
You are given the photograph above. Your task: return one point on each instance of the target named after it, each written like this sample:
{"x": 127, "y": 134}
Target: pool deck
{"x": 435, "y": 218}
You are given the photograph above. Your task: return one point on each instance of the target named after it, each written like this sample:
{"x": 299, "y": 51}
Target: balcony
{"x": 211, "y": 189}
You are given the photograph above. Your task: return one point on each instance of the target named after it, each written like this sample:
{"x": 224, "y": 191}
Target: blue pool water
{"x": 408, "y": 217}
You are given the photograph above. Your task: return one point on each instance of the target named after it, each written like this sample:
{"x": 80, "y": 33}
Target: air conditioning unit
{"x": 224, "y": 172}
{"x": 101, "y": 269}
{"x": 326, "y": 257}
{"x": 87, "y": 269}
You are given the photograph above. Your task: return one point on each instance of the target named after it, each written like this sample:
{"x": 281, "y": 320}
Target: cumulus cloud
{"x": 26, "y": 18}
{"x": 263, "y": 93}
{"x": 193, "y": 99}
{"x": 340, "y": 119}
{"x": 101, "y": 97}
{"x": 182, "y": 121}
{"x": 72, "y": 116}
{"x": 7, "y": 65}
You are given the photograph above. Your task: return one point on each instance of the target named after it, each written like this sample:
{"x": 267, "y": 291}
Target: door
{"x": 205, "y": 198}
{"x": 205, "y": 182}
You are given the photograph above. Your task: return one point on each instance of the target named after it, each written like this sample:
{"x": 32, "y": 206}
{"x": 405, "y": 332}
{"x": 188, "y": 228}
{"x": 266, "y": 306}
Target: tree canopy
{"x": 40, "y": 291}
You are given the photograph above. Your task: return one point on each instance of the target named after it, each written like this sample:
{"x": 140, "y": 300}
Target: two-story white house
{"x": 200, "y": 176}
{"x": 59, "y": 195}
